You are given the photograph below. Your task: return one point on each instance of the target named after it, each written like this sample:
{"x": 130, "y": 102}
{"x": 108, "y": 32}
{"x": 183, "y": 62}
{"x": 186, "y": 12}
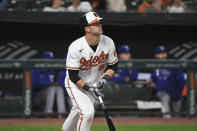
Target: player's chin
{"x": 100, "y": 32}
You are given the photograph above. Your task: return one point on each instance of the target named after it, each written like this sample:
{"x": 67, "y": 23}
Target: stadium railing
{"x": 189, "y": 66}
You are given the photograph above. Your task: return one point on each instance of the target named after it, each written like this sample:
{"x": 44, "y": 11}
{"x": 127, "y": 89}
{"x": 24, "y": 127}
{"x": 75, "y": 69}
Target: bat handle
{"x": 101, "y": 102}
{"x": 100, "y": 99}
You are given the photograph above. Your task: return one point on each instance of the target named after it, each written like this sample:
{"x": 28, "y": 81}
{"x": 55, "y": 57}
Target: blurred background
{"x": 36, "y": 34}
{"x": 101, "y": 5}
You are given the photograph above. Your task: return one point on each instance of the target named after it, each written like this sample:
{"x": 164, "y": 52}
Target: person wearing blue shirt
{"x": 45, "y": 88}
{"x": 3, "y": 4}
{"x": 125, "y": 75}
{"x": 169, "y": 83}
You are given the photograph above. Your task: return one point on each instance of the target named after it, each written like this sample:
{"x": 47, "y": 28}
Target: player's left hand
{"x": 102, "y": 82}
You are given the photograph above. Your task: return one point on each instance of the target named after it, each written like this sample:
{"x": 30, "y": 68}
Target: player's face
{"x": 125, "y": 56}
{"x": 161, "y": 56}
{"x": 95, "y": 28}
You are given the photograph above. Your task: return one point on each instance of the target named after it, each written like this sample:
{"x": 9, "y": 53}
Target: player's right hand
{"x": 95, "y": 93}
{"x": 92, "y": 93}
{"x": 98, "y": 92}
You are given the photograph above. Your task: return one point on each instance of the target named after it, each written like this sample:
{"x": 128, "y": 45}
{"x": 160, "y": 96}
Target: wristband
{"x": 107, "y": 77}
{"x": 86, "y": 87}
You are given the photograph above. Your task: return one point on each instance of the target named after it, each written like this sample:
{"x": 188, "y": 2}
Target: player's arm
{"x": 110, "y": 71}
{"x": 152, "y": 78}
{"x": 112, "y": 61}
{"x": 73, "y": 75}
{"x": 111, "y": 66}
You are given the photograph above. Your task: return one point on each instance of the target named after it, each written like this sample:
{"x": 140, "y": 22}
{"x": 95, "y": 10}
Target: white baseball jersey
{"x": 91, "y": 65}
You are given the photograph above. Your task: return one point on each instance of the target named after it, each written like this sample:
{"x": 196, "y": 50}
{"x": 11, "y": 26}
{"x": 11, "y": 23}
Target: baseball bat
{"x": 107, "y": 116}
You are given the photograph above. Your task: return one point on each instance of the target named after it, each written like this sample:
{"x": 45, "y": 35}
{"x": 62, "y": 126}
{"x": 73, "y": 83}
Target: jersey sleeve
{"x": 73, "y": 59}
{"x": 112, "y": 54}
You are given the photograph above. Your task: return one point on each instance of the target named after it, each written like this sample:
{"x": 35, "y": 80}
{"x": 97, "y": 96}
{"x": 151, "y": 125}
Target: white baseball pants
{"x": 82, "y": 112}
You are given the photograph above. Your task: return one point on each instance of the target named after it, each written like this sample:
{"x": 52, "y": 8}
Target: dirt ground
{"x": 101, "y": 121}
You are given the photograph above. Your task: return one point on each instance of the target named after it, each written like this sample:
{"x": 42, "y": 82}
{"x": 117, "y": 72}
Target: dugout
{"x": 41, "y": 31}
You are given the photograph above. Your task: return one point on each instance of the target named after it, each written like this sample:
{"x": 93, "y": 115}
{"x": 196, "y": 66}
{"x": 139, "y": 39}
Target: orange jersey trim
{"x": 112, "y": 62}
{"x": 76, "y": 104}
{"x": 72, "y": 67}
{"x": 83, "y": 68}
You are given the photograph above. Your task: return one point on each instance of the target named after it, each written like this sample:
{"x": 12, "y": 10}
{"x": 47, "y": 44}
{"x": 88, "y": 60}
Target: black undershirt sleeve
{"x": 73, "y": 75}
{"x": 113, "y": 67}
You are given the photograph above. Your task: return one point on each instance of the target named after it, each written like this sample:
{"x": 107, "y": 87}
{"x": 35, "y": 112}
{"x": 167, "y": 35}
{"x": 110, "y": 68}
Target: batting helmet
{"x": 88, "y": 19}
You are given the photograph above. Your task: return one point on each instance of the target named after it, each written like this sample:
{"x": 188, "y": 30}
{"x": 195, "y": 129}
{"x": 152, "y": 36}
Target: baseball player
{"x": 169, "y": 83}
{"x": 91, "y": 61}
{"x": 45, "y": 88}
{"x": 125, "y": 75}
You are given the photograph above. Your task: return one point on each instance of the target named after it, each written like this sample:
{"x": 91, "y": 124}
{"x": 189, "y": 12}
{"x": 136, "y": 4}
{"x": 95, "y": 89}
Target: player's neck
{"x": 92, "y": 39}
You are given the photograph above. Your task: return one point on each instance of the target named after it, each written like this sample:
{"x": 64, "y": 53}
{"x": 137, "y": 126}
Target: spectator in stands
{"x": 78, "y": 6}
{"x": 45, "y": 89}
{"x": 3, "y": 4}
{"x": 150, "y": 6}
{"x": 98, "y": 4}
{"x": 165, "y": 2}
{"x": 177, "y": 6}
{"x": 61, "y": 78}
{"x": 55, "y": 6}
{"x": 116, "y": 6}
{"x": 125, "y": 75}
{"x": 158, "y": 3}
{"x": 169, "y": 83}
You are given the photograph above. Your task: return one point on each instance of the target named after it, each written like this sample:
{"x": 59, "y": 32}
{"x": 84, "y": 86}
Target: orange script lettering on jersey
{"x": 87, "y": 64}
